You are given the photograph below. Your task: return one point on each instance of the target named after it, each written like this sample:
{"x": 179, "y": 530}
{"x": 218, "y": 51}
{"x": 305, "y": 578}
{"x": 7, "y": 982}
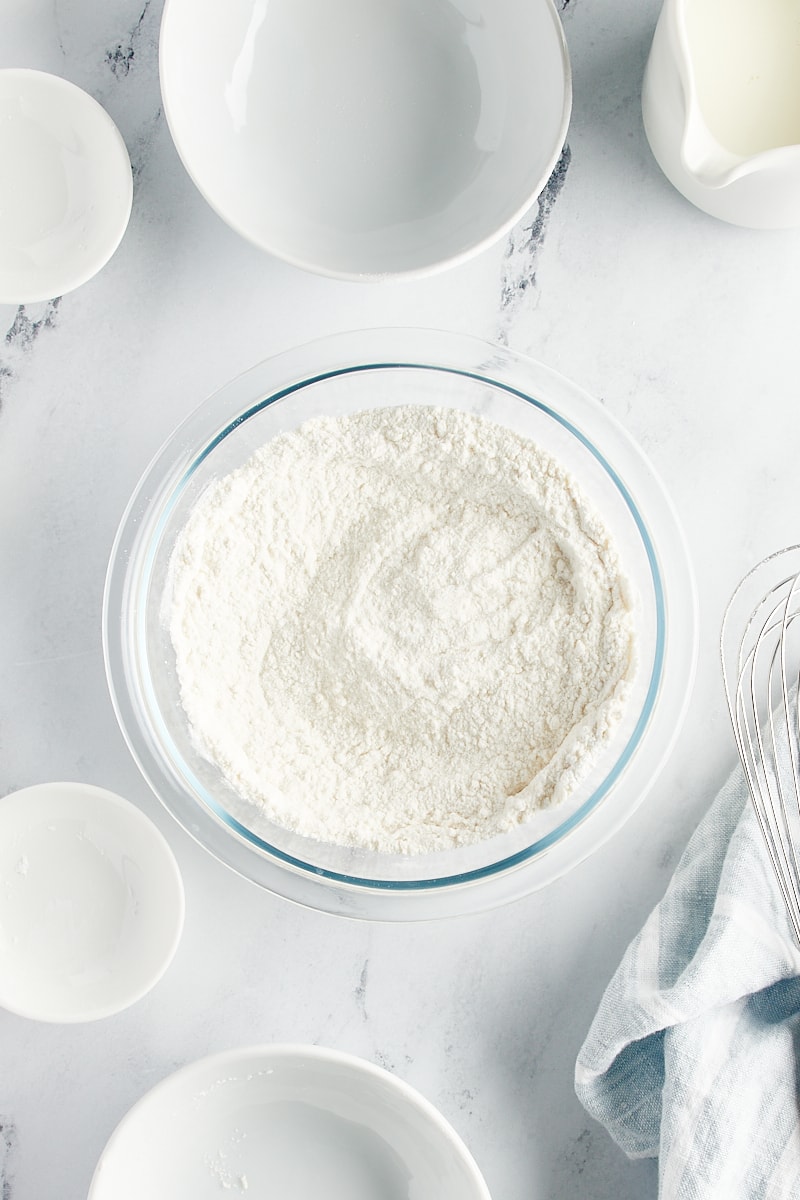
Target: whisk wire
{"x": 750, "y": 745}
{"x": 761, "y": 671}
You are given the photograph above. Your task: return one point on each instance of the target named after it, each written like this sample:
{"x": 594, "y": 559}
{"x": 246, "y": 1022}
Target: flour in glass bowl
{"x": 404, "y": 630}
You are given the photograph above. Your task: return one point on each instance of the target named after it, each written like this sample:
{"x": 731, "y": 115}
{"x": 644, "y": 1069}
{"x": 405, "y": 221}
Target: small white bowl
{"x": 361, "y": 139}
{"x": 65, "y": 187}
{"x": 91, "y": 903}
{"x": 290, "y": 1121}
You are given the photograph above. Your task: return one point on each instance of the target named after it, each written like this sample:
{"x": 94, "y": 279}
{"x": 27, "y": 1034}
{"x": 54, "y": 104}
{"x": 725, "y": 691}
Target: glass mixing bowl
{"x": 345, "y": 374}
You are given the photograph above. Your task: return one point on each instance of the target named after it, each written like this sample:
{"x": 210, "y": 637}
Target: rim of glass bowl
{"x": 630, "y": 776}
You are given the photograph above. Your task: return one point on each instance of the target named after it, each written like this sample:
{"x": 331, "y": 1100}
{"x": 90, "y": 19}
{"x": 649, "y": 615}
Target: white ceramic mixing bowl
{"x": 285, "y": 1121}
{"x": 361, "y": 139}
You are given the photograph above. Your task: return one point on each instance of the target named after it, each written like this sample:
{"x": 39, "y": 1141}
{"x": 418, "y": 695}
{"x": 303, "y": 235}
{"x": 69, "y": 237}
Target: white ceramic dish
{"x": 287, "y": 1121}
{"x": 360, "y": 139}
{"x": 65, "y": 187}
{"x": 91, "y": 903}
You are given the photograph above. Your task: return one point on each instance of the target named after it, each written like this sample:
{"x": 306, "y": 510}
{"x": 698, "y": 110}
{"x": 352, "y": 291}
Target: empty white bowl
{"x": 287, "y": 1121}
{"x": 91, "y": 903}
{"x": 65, "y": 186}
{"x": 367, "y": 139}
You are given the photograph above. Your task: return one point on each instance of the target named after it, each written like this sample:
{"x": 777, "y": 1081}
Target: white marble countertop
{"x": 685, "y": 328}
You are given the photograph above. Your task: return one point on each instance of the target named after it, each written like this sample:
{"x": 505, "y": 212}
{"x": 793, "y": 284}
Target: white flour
{"x": 403, "y": 630}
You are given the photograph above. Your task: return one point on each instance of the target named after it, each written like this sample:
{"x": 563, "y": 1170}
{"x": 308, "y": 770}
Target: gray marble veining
{"x": 523, "y": 248}
{"x": 8, "y": 1149}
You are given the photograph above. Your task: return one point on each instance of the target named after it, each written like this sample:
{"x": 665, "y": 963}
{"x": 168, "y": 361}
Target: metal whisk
{"x": 760, "y": 648}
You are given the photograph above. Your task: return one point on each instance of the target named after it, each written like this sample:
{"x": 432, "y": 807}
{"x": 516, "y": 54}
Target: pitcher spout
{"x": 710, "y": 164}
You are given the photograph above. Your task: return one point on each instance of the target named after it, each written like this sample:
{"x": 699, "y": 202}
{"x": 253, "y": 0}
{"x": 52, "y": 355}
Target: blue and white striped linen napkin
{"x": 694, "y": 1054}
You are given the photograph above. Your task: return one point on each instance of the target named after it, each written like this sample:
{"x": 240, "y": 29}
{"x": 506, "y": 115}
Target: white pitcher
{"x": 721, "y": 107}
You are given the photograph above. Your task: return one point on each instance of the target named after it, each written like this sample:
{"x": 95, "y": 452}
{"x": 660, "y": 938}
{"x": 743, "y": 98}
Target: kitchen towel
{"x": 694, "y": 1054}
